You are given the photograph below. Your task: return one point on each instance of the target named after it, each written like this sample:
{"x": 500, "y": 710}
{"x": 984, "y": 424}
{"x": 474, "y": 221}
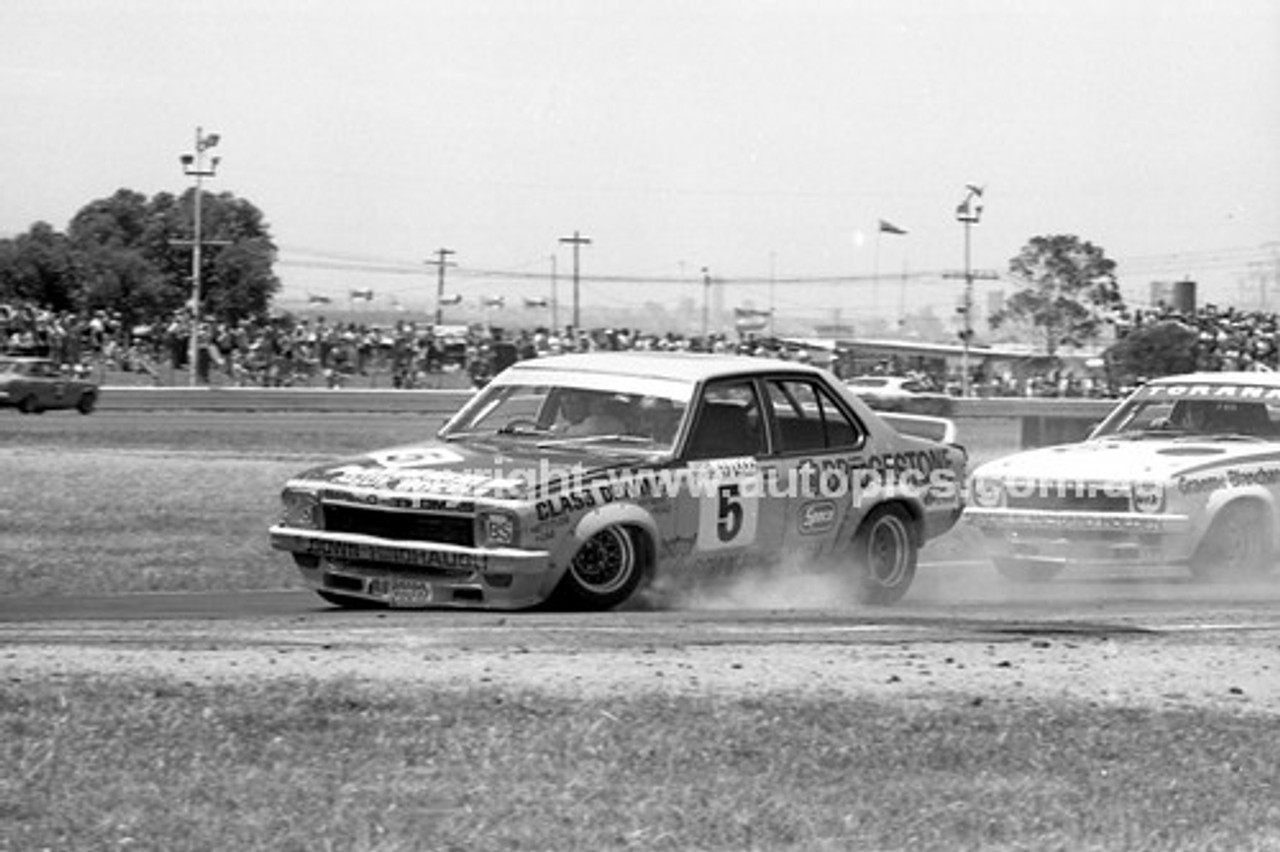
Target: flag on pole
{"x": 890, "y": 228}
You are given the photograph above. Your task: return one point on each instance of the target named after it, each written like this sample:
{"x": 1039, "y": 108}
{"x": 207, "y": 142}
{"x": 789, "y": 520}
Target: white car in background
{"x": 900, "y": 393}
{"x": 1186, "y": 470}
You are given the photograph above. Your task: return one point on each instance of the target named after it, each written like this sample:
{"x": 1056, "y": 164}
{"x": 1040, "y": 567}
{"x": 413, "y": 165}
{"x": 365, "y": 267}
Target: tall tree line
{"x": 132, "y": 254}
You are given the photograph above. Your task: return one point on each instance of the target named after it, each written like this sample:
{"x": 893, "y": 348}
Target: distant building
{"x": 1177, "y": 295}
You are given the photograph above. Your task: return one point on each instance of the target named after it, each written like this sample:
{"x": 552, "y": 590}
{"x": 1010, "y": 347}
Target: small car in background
{"x": 1186, "y": 470}
{"x": 35, "y": 385}
{"x": 900, "y": 393}
{"x": 577, "y": 480}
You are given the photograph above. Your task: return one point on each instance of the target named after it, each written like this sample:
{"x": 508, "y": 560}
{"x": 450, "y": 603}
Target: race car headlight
{"x": 301, "y": 510}
{"x": 1148, "y": 497}
{"x": 987, "y": 493}
{"x": 495, "y": 528}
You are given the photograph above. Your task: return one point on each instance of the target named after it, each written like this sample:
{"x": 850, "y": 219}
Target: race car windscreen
{"x": 564, "y": 414}
{"x": 1194, "y": 411}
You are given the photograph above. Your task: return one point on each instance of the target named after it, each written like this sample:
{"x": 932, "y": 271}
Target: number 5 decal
{"x": 727, "y": 516}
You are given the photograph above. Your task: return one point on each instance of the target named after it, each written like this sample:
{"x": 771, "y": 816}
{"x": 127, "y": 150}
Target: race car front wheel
{"x": 605, "y": 572}
{"x": 885, "y": 552}
{"x": 1237, "y": 545}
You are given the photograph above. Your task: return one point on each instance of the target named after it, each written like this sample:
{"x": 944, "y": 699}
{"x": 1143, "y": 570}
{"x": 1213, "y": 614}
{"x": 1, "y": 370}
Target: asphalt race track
{"x": 1135, "y": 635}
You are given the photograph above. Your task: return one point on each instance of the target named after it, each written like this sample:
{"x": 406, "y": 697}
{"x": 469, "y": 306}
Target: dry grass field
{"x": 100, "y": 750}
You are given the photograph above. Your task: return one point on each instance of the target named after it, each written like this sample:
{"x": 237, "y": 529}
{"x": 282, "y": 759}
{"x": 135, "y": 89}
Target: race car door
{"x": 738, "y": 523}
{"x": 817, "y": 441}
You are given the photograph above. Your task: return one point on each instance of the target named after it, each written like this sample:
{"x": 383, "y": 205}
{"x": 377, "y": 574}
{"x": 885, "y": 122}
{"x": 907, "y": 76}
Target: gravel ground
{"x": 1234, "y": 668}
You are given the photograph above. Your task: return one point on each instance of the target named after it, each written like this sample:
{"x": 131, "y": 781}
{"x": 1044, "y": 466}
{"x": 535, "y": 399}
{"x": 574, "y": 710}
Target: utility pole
{"x": 555, "y": 301}
{"x": 193, "y": 165}
{"x": 577, "y": 241}
{"x": 440, "y": 263}
{"x": 706, "y": 299}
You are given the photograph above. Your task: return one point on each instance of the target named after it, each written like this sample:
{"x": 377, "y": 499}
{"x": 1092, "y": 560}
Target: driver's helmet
{"x": 1192, "y": 413}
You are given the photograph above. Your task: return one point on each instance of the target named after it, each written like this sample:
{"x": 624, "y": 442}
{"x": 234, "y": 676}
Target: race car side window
{"x": 808, "y": 418}
{"x": 728, "y": 423}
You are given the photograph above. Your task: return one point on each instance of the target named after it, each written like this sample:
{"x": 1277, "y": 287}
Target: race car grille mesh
{"x": 400, "y": 526}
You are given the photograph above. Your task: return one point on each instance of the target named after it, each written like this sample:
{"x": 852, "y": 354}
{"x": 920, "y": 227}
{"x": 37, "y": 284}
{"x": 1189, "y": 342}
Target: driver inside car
{"x": 586, "y": 413}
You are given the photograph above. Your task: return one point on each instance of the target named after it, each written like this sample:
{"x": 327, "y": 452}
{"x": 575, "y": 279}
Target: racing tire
{"x": 1027, "y": 570}
{"x": 605, "y": 571}
{"x": 885, "y": 551}
{"x": 86, "y": 403}
{"x": 1237, "y": 545}
{"x": 28, "y": 405}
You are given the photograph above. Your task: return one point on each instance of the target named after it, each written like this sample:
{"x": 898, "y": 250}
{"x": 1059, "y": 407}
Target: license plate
{"x": 403, "y": 593}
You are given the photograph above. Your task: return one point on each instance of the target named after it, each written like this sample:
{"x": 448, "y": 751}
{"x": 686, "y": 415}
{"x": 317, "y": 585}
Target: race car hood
{"x": 1110, "y": 460}
{"x": 500, "y": 469}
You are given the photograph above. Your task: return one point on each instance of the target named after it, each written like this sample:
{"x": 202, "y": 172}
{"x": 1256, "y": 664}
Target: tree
{"x": 135, "y": 255}
{"x": 1070, "y": 291}
{"x": 39, "y": 267}
{"x": 1162, "y": 349}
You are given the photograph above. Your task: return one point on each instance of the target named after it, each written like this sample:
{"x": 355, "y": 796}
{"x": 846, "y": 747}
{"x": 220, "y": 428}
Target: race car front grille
{"x": 1069, "y": 500}
{"x": 400, "y": 526}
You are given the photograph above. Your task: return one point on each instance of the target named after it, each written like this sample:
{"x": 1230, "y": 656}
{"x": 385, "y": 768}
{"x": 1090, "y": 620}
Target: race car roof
{"x": 684, "y": 367}
{"x": 1236, "y": 377}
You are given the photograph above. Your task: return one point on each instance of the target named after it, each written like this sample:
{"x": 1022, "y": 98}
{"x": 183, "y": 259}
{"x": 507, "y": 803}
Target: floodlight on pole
{"x": 968, "y": 213}
{"x": 193, "y": 165}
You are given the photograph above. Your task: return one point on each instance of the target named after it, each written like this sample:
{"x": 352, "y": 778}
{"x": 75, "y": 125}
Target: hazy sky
{"x": 752, "y": 138}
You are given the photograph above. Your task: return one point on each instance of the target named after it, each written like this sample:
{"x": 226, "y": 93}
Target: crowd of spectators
{"x": 317, "y": 351}
{"x": 1226, "y": 338}
{"x": 311, "y": 352}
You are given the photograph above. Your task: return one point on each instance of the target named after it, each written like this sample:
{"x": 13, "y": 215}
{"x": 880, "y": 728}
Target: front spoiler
{"x": 412, "y": 574}
{"x": 1068, "y": 522}
{"x": 1054, "y": 537}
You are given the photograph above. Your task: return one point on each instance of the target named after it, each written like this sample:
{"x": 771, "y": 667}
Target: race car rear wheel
{"x": 86, "y": 403}
{"x": 885, "y": 550}
{"x": 28, "y": 405}
{"x": 605, "y": 571}
{"x": 1237, "y": 545}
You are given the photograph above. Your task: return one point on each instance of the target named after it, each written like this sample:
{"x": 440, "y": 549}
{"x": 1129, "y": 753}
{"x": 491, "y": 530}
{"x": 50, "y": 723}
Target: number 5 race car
{"x": 1184, "y": 471}
{"x": 577, "y": 479}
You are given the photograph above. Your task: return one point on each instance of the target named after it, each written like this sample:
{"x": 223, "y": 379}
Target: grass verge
{"x": 145, "y": 764}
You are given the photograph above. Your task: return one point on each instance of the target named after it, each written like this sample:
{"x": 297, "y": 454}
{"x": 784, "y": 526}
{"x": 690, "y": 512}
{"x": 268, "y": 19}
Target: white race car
{"x": 578, "y": 479}
{"x": 1185, "y": 470}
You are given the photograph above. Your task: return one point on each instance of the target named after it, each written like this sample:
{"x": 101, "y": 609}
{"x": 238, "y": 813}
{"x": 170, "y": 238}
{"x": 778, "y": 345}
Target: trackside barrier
{"x": 433, "y": 402}
{"x": 1040, "y": 421}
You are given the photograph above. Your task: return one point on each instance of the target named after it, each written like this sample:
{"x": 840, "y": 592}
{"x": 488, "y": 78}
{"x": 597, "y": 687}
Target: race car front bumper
{"x": 416, "y": 575}
{"x": 1093, "y": 537}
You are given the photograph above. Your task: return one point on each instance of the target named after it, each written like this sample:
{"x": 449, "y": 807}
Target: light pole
{"x": 968, "y": 214}
{"x": 577, "y": 241}
{"x": 194, "y": 166}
